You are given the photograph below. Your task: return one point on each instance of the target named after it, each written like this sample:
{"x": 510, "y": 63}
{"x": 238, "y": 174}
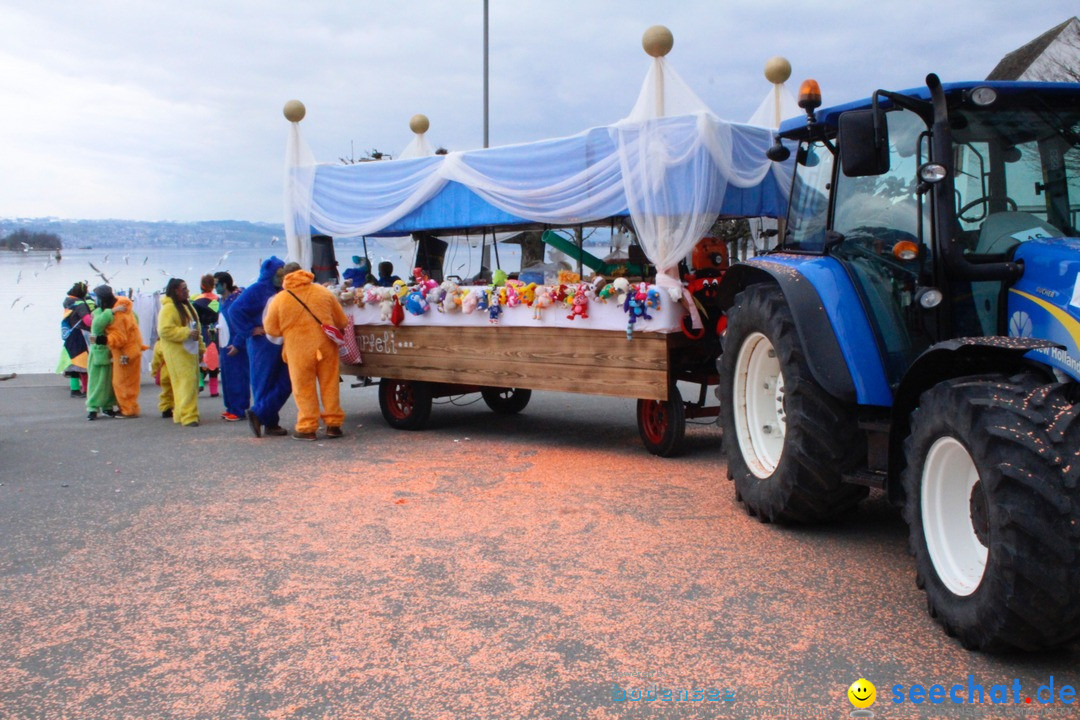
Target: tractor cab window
{"x": 882, "y": 227}
{"x": 1017, "y": 179}
{"x": 809, "y": 207}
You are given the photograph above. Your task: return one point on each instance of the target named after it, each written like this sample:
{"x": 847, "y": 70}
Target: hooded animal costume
{"x": 181, "y": 355}
{"x": 74, "y": 329}
{"x": 126, "y": 343}
{"x": 159, "y": 368}
{"x": 99, "y": 392}
{"x": 270, "y": 386}
{"x": 235, "y": 374}
{"x": 309, "y": 353}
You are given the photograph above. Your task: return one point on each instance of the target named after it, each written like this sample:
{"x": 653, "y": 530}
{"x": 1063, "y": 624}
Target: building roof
{"x": 1014, "y": 65}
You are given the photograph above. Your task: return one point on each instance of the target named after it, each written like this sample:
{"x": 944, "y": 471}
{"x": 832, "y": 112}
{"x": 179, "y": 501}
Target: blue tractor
{"x": 917, "y": 331}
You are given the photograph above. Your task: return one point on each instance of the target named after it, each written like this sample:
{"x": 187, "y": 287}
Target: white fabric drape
{"x": 669, "y": 171}
{"x": 299, "y": 181}
{"x": 417, "y": 147}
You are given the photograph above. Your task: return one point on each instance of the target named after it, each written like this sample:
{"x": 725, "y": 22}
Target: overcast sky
{"x": 172, "y": 110}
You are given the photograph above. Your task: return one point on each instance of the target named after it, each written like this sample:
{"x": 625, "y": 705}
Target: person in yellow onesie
{"x": 182, "y": 346}
{"x": 159, "y": 368}
{"x": 125, "y": 342}
{"x": 297, "y": 314}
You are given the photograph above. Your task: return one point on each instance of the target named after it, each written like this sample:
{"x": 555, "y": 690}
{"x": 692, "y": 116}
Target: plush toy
{"x": 652, "y": 299}
{"x": 528, "y": 294}
{"x": 635, "y": 308}
{"x": 424, "y": 281}
{"x": 512, "y": 297}
{"x": 451, "y": 301}
{"x": 494, "y": 308}
{"x": 400, "y": 290}
{"x": 386, "y": 303}
{"x": 416, "y": 303}
{"x": 483, "y": 300}
{"x": 543, "y": 301}
{"x": 371, "y": 294}
{"x": 471, "y": 300}
{"x": 580, "y": 306}
{"x": 435, "y": 297}
{"x": 622, "y": 287}
{"x": 397, "y": 314}
{"x": 498, "y": 278}
{"x": 558, "y": 293}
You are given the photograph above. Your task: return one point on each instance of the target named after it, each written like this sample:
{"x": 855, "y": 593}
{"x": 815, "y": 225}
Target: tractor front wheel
{"x": 405, "y": 404}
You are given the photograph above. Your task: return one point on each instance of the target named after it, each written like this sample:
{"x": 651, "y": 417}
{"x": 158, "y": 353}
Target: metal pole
{"x": 485, "y": 73}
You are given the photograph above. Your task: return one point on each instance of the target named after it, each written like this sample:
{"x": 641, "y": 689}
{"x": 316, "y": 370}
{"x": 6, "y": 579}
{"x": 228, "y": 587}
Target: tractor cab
{"x": 925, "y": 195}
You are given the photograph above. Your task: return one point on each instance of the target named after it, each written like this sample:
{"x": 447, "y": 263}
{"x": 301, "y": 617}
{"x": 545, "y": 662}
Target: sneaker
{"x": 276, "y": 430}
{"x": 91, "y": 415}
{"x": 254, "y": 424}
{"x": 166, "y": 413}
{"x": 122, "y": 416}
{"x": 78, "y": 394}
{"x": 304, "y": 436}
{"x": 110, "y": 412}
{"x": 215, "y": 394}
{"x": 229, "y": 417}
{"x": 193, "y": 423}
{"x": 332, "y": 431}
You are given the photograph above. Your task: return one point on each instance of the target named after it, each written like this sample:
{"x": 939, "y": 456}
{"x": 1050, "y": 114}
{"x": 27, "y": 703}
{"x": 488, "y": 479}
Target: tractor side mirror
{"x": 864, "y": 143}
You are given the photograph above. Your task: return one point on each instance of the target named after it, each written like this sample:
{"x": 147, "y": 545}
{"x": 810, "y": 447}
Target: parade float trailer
{"x": 667, "y": 171}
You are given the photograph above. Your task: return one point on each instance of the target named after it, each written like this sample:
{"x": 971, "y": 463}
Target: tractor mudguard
{"x": 837, "y": 339}
{"x": 945, "y": 360}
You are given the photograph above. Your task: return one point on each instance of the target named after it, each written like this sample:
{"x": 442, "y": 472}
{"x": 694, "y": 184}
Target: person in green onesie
{"x": 99, "y": 390}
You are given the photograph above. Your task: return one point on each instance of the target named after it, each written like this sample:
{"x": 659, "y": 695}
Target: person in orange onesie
{"x": 297, "y": 314}
{"x": 125, "y": 342}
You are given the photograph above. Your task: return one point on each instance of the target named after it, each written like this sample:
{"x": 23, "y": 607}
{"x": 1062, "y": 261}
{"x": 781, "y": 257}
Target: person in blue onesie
{"x": 270, "y": 386}
{"x": 235, "y": 379}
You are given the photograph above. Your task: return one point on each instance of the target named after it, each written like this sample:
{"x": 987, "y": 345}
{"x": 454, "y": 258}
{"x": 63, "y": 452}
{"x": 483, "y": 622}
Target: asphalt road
{"x": 529, "y": 567}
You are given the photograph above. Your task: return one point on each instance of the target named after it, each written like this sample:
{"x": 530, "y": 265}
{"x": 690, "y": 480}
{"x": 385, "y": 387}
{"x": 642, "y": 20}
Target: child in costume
{"x": 126, "y": 343}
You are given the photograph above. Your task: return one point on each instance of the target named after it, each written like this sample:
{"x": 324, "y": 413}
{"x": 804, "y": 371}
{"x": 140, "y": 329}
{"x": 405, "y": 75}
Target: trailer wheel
{"x": 993, "y": 511}
{"x": 506, "y": 401}
{"x": 405, "y": 404}
{"x": 787, "y": 440}
{"x": 662, "y": 424}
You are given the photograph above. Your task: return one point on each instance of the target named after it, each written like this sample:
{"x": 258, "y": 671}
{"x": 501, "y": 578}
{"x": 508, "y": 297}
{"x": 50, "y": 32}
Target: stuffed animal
{"x": 386, "y": 303}
{"x": 371, "y": 294}
{"x": 471, "y": 300}
{"x": 512, "y": 297}
{"x": 423, "y": 281}
{"x": 616, "y": 288}
{"x": 484, "y": 299}
{"x": 580, "y": 306}
{"x": 528, "y": 294}
{"x": 498, "y": 278}
{"x": 652, "y": 299}
{"x": 494, "y": 308}
{"x": 451, "y": 301}
{"x": 400, "y": 289}
{"x": 543, "y": 301}
{"x": 635, "y": 308}
{"x": 416, "y": 303}
{"x": 435, "y": 297}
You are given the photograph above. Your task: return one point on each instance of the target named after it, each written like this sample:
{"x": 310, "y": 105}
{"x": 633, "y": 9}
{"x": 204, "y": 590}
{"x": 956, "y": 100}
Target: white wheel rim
{"x": 948, "y": 477}
{"x": 760, "y": 420}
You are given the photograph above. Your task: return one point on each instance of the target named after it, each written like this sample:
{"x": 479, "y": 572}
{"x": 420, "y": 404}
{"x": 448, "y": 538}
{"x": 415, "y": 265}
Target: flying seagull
{"x": 223, "y": 258}
{"x": 94, "y": 268}
{"x": 16, "y": 300}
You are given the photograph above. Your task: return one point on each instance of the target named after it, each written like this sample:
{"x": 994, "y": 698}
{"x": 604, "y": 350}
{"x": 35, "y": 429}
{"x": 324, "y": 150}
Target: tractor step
{"x": 869, "y": 478}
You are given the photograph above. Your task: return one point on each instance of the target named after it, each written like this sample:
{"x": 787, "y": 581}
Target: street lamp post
{"x": 485, "y": 73}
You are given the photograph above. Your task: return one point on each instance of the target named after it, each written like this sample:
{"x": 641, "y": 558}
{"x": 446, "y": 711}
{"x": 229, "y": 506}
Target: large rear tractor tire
{"x": 993, "y": 509}
{"x": 787, "y": 441}
{"x": 405, "y": 404}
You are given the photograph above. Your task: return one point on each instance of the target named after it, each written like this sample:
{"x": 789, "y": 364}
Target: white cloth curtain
{"x": 417, "y": 147}
{"x": 668, "y": 163}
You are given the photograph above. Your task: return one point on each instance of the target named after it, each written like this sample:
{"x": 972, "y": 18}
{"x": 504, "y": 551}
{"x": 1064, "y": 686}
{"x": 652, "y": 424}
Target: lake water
{"x": 33, "y": 285}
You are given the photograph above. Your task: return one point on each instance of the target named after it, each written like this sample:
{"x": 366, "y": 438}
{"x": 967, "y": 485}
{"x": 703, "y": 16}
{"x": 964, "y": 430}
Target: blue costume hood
{"x": 245, "y": 313}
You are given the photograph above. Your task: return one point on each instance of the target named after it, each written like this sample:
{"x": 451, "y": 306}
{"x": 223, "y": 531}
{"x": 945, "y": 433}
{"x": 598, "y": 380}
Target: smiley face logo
{"x": 862, "y": 693}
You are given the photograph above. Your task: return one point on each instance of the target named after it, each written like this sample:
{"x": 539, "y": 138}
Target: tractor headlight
{"x": 983, "y": 96}
{"x": 928, "y": 297}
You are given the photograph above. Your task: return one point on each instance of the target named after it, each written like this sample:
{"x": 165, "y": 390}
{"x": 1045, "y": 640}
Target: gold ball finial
{"x": 419, "y": 123}
{"x": 657, "y": 41}
{"x": 777, "y": 70}
{"x": 294, "y": 111}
